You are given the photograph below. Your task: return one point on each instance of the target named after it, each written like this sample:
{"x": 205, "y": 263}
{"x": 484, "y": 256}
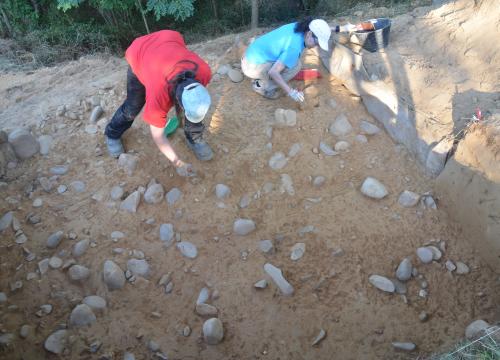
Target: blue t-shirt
{"x": 282, "y": 44}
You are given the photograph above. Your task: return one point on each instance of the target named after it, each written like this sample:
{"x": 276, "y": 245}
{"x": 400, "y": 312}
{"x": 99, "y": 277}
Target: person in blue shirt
{"x": 274, "y": 58}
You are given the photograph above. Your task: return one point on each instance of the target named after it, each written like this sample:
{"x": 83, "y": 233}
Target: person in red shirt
{"x": 164, "y": 73}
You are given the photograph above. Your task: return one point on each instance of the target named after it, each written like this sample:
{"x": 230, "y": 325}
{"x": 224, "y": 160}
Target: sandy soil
{"x": 331, "y": 292}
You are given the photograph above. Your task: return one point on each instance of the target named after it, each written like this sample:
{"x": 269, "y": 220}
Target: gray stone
{"x": 138, "y": 267}
{"x": 3, "y": 298}
{"x": 423, "y": 316}
{"x": 43, "y": 266}
{"x": 61, "y": 189}
{"x": 405, "y": 346}
{"x": 373, "y": 188}
{"x": 450, "y": 266}
{"x": 128, "y": 162}
{"x": 78, "y": 186}
{"x": 6, "y": 220}
{"x": 55, "y": 262}
{"x": 91, "y": 129}
{"x": 341, "y": 126}
{"x": 113, "y": 275}
{"x": 6, "y": 339}
{"x": 423, "y": 293}
{"x": 82, "y": 315}
{"x": 368, "y": 128}
{"x": 167, "y": 234}
{"x": 319, "y": 337}
{"x": 429, "y": 202}
{"x": 277, "y": 276}
{"x": 326, "y": 149}
{"x": 294, "y": 150}
{"x": 399, "y": 286}
{"x": 298, "y": 251}
{"x": 131, "y": 203}
{"x": 266, "y": 246}
{"x": 153, "y": 346}
{"x": 173, "y": 196}
{"x": 436, "y": 253}
{"x": 54, "y": 239}
{"x": 245, "y": 201}
{"x": 81, "y": 247}
{"x": 186, "y": 331}
{"x": 169, "y": 287}
{"x": 37, "y": 203}
{"x": 408, "y": 199}
{"x": 45, "y": 142}
{"x": 46, "y": 309}
{"x": 342, "y": 146}
{"x": 203, "y": 296}
{"x": 462, "y": 268}
{"x": 187, "y": 249}
{"x": 476, "y": 329}
{"x": 116, "y": 193}
{"x": 261, "y": 284}
{"x": 235, "y": 75}
{"x": 436, "y": 158}
{"x": 59, "y": 170}
{"x": 21, "y": 239}
{"x": 382, "y": 283}
{"x": 425, "y": 255}
{"x": 243, "y": 227}
{"x": 222, "y": 191}
{"x": 95, "y": 302}
{"x": 96, "y": 114}
{"x": 286, "y": 185}
{"x": 128, "y": 356}
{"x": 78, "y": 273}
{"x": 223, "y": 69}
{"x": 154, "y": 194}
{"x": 319, "y": 181}
{"x": 284, "y": 118}
{"x": 206, "y": 310}
{"x": 24, "y": 143}
{"x": 403, "y": 272}
{"x": 46, "y": 184}
{"x": 115, "y": 235}
{"x": 278, "y": 161}
{"x": 24, "y": 331}
{"x": 56, "y": 341}
{"x": 361, "y": 139}
{"x": 213, "y": 331}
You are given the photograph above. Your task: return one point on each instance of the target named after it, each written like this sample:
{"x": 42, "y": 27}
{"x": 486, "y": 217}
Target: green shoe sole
{"x": 171, "y": 126}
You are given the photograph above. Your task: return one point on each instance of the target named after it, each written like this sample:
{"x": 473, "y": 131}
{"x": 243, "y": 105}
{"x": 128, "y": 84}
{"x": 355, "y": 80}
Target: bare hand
{"x": 184, "y": 169}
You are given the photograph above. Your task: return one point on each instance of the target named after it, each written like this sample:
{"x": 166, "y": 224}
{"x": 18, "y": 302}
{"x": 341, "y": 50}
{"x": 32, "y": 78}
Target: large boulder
{"x": 25, "y": 145}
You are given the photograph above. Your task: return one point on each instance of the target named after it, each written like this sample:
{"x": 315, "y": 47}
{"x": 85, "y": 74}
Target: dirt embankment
{"x": 347, "y": 236}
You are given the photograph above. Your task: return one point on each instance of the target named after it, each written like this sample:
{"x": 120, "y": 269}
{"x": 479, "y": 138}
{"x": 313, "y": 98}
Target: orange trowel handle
{"x": 365, "y": 26}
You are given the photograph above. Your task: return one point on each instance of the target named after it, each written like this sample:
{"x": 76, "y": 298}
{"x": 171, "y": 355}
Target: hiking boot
{"x": 268, "y": 94}
{"x": 201, "y": 149}
{"x": 115, "y": 147}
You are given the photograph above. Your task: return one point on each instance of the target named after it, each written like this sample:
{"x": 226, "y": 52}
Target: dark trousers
{"x": 136, "y": 98}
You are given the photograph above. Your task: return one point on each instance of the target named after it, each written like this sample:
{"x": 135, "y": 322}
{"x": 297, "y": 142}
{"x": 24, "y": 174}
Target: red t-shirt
{"x": 154, "y": 59}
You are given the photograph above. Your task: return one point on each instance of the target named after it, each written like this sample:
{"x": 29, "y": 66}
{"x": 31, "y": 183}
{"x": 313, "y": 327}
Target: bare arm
{"x": 164, "y": 145}
{"x": 275, "y": 74}
{"x": 182, "y": 168}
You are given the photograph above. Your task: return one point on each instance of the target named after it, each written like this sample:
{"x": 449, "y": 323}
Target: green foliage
{"x": 65, "y": 5}
{"x": 179, "y": 9}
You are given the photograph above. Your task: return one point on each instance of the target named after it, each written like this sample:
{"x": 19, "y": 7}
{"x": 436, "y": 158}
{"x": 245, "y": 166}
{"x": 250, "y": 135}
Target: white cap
{"x": 195, "y": 101}
{"x": 322, "y": 31}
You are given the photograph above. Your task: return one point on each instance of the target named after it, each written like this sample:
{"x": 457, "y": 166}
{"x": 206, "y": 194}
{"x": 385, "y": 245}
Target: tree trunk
{"x": 143, "y": 16}
{"x": 255, "y": 14}
{"x": 34, "y": 3}
{"x": 6, "y": 22}
{"x": 214, "y": 7}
